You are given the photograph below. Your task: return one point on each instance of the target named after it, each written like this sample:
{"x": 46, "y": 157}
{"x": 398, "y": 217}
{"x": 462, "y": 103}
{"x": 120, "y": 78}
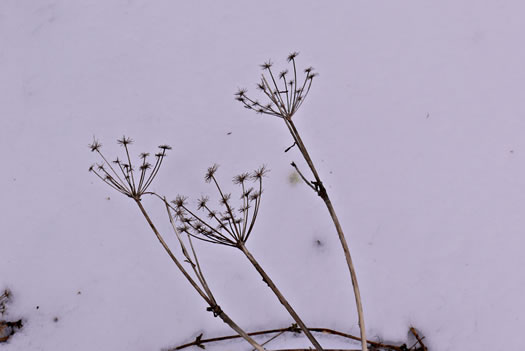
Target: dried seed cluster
{"x": 284, "y": 92}
{"x": 122, "y": 175}
{"x": 227, "y": 226}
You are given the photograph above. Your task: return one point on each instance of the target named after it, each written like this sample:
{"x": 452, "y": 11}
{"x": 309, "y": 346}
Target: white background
{"x": 416, "y": 124}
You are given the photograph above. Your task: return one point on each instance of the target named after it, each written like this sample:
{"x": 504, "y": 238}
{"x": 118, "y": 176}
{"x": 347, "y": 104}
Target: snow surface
{"x": 416, "y": 124}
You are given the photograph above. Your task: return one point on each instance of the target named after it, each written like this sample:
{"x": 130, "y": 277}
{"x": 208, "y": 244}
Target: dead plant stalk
{"x": 125, "y": 184}
{"x": 284, "y": 101}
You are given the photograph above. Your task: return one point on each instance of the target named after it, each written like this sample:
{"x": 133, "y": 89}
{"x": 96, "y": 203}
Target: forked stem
{"x": 217, "y": 311}
{"x": 280, "y": 296}
{"x": 321, "y": 191}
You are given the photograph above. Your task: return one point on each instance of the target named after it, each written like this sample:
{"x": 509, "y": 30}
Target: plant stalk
{"x": 226, "y": 319}
{"x": 324, "y": 195}
{"x": 280, "y": 296}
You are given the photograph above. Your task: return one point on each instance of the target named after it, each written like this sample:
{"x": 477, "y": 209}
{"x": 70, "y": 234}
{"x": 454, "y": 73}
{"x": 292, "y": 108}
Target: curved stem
{"x": 221, "y": 313}
{"x": 321, "y": 191}
{"x": 292, "y": 329}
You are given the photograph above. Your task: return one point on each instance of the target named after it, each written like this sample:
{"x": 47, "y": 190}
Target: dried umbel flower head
{"x": 121, "y": 176}
{"x": 284, "y": 91}
{"x": 227, "y": 226}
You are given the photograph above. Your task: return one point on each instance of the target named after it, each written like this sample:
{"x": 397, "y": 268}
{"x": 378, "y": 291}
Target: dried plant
{"x": 228, "y": 225}
{"x": 122, "y": 177}
{"x": 233, "y": 228}
{"x": 285, "y": 96}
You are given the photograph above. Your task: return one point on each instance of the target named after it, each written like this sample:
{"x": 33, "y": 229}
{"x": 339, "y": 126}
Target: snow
{"x": 415, "y": 124}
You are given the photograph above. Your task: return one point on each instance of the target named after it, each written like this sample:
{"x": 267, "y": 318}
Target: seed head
{"x": 202, "y": 202}
{"x": 125, "y": 141}
{"x": 311, "y": 75}
{"x": 241, "y": 92}
{"x": 145, "y": 166}
{"x": 183, "y": 228}
{"x": 180, "y": 201}
{"x": 95, "y": 145}
{"x": 255, "y": 196}
{"x": 210, "y": 173}
{"x": 267, "y": 65}
{"x": 259, "y": 173}
{"x": 240, "y": 178}
{"x": 292, "y": 56}
{"x": 165, "y": 147}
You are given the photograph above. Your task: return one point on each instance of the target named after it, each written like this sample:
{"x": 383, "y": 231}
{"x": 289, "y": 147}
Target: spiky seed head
{"x": 283, "y": 74}
{"x": 241, "y": 92}
{"x": 267, "y": 65}
{"x": 144, "y": 155}
{"x": 261, "y": 110}
{"x": 308, "y": 70}
{"x": 247, "y": 193}
{"x": 240, "y": 98}
{"x": 180, "y": 201}
{"x": 259, "y": 173}
{"x": 164, "y": 147}
{"x": 91, "y": 168}
{"x": 179, "y": 213}
{"x": 183, "y": 229}
{"x": 260, "y": 86}
{"x": 145, "y": 166}
{"x": 292, "y": 56}
{"x": 241, "y": 178}
{"x": 212, "y": 214}
{"x": 125, "y": 141}
{"x": 255, "y": 196}
{"x": 160, "y": 154}
{"x": 202, "y": 202}
{"x": 95, "y": 145}
{"x": 101, "y": 167}
{"x": 210, "y": 173}
{"x": 312, "y": 75}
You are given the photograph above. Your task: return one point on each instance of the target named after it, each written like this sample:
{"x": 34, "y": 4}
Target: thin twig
{"x": 307, "y": 182}
{"x": 292, "y": 329}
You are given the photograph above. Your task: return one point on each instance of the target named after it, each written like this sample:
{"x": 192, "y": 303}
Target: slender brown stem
{"x": 280, "y": 296}
{"x": 212, "y": 305}
{"x": 321, "y": 191}
{"x": 292, "y": 329}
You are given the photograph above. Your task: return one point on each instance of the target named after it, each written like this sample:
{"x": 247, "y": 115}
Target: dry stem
{"x": 280, "y": 296}
{"x": 211, "y": 303}
{"x": 292, "y": 329}
{"x": 321, "y": 191}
